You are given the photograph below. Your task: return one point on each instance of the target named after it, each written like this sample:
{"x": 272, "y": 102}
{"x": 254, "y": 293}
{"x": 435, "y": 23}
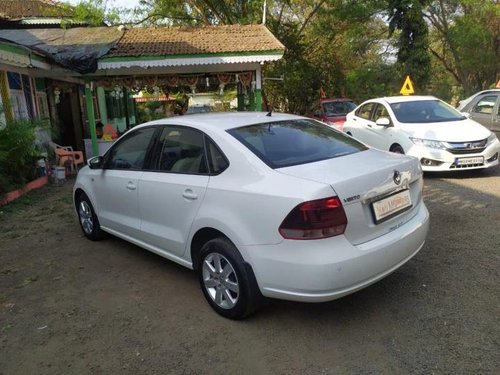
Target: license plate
{"x": 469, "y": 161}
{"x": 391, "y": 206}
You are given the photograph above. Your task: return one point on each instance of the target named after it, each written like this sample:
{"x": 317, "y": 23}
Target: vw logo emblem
{"x": 397, "y": 177}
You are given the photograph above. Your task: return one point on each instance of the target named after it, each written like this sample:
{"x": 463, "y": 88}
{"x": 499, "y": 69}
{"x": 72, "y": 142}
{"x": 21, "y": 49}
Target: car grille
{"x": 465, "y": 166}
{"x": 462, "y": 148}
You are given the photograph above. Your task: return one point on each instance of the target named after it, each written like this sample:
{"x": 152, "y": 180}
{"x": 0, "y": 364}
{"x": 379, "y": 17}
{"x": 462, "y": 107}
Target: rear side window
{"x": 182, "y": 151}
{"x": 293, "y": 142}
{"x": 216, "y": 160}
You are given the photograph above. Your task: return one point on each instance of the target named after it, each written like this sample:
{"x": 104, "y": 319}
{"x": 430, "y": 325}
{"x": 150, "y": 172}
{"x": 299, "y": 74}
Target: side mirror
{"x": 96, "y": 162}
{"x": 383, "y": 121}
{"x": 465, "y": 114}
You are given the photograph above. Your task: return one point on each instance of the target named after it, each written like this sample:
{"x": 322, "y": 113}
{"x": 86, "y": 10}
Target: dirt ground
{"x": 71, "y": 306}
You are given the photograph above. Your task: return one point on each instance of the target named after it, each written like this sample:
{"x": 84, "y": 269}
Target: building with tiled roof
{"x": 51, "y": 68}
{"x": 175, "y": 46}
{"x": 168, "y": 41}
{"x": 32, "y": 13}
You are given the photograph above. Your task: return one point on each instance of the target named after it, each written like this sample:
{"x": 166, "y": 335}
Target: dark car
{"x": 333, "y": 111}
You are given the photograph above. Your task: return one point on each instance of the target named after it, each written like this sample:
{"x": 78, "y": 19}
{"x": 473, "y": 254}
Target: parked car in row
{"x": 442, "y": 138}
{"x": 483, "y": 107}
{"x": 279, "y": 206}
{"x": 333, "y": 111}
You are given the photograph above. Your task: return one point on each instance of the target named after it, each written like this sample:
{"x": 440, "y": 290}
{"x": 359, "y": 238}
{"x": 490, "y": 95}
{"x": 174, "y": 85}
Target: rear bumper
{"x": 324, "y": 270}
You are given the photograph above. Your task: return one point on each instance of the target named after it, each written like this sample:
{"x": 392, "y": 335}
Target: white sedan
{"x": 442, "y": 138}
{"x": 278, "y": 206}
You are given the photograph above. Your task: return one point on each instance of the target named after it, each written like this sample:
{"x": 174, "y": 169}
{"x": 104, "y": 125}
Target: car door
{"x": 361, "y": 123}
{"x": 170, "y": 194}
{"x": 383, "y": 136}
{"x": 496, "y": 116}
{"x": 372, "y": 134}
{"x": 116, "y": 185}
{"x": 483, "y": 109}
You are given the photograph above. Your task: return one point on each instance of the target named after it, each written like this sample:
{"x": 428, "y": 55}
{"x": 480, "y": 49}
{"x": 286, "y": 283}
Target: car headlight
{"x": 492, "y": 138}
{"x": 428, "y": 143}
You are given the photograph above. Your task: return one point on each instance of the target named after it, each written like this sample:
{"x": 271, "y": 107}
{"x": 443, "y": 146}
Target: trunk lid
{"x": 363, "y": 178}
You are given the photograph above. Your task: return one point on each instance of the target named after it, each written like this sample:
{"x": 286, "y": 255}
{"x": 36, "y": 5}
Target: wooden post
{"x": 258, "y": 89}
{"x": 89, "y": 102}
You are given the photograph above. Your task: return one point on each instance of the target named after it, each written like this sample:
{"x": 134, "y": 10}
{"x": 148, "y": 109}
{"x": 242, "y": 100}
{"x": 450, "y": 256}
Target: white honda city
{"x": 442, "y": 138}
{"x": 258, "y": 205}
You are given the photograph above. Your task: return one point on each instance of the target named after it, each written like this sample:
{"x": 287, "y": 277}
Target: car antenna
{"x": 270, "y": 113}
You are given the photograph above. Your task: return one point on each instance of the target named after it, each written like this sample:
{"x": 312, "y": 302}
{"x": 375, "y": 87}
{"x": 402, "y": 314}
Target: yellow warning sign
{"x": 407, "y": 88}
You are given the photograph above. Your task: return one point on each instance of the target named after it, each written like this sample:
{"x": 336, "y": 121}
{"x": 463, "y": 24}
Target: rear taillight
{"x": 315, "y": 219}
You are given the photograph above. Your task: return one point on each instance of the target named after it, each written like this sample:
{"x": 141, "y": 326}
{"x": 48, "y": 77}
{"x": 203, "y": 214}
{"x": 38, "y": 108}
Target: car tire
{"x": 397, "y": 149}
{"x": 226, "y": 280}
{"x": 87, "y": 218}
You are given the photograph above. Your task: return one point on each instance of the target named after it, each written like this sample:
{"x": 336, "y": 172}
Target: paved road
{"x": 68, "y": 305}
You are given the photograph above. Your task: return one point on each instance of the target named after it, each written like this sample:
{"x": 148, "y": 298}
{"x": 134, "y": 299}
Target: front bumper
{"x": 451, "y": 162}
{"x": 324, "y": 270}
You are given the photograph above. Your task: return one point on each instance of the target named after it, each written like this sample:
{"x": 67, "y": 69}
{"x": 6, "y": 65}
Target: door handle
{"x": 189, "y": 194}
{"x": 131, "y": 186}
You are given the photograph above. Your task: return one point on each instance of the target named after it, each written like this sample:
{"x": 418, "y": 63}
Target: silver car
{"x": 483, "y": 107}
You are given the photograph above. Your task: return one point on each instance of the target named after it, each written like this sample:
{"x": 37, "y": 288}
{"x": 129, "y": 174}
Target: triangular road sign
{"x": 407, "y": 88}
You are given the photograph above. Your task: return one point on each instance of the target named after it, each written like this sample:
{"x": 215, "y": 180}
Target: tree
{"x": 466, "y": 40}
{"x": 199, "y": 12}
{"x": 413, "y": 58}
{"x": 93, "y": 13}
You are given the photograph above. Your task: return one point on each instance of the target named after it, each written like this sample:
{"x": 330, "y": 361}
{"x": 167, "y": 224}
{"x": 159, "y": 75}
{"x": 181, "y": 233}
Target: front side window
{"x": 293, "y": 142}
{"x": 425, "y": 111}
{"x": 130, "y": 153}
{"x": 182, "y": 151}
{"x": 485, "y": 105}
{"x": 380, "y": 111}
{"x": 365, "y": 111}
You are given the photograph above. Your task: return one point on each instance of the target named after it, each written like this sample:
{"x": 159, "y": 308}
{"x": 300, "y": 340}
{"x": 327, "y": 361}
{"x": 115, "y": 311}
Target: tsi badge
{"x": 397, "y": 177}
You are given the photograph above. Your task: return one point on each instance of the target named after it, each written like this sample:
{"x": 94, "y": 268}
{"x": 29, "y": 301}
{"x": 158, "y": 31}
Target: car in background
{"x": 442, "y": 138}
{"x": 195, "y": 109}
{"x": 333, "y": 111}
{"x": 275, "y": 205}
{"x": 483, "y": 107}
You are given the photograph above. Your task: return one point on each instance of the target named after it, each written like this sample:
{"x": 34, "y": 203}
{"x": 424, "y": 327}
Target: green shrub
{"x": 18, "y": 154}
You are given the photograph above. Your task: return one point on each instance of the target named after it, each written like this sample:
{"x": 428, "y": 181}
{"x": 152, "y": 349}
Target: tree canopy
{"x": 358, "y": 49}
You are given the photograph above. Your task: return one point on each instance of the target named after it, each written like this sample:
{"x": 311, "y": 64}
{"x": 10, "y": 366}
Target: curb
{"x": 13, "y": 195}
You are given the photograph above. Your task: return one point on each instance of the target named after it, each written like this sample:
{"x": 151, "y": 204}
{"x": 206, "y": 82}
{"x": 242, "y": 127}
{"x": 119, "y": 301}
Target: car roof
{"x": 406, "y": 98}
{"x": 221, "y": 121}
{"x": 329, "y": 100}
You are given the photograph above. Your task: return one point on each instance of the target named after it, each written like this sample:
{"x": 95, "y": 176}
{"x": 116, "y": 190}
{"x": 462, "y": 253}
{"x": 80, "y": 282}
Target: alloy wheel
{"x": 220, "y": 280}
{"x": 86, "y": 217}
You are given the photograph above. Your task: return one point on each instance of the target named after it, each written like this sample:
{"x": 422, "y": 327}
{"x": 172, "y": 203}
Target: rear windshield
{"x": 425, "y": 111}
{"x": 293, "y": 142}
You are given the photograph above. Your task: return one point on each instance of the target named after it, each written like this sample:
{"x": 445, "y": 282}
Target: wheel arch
{"x": 396, "y": 145}
{"x": 201, "y": 237}
{"x": 76, "y": 194}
